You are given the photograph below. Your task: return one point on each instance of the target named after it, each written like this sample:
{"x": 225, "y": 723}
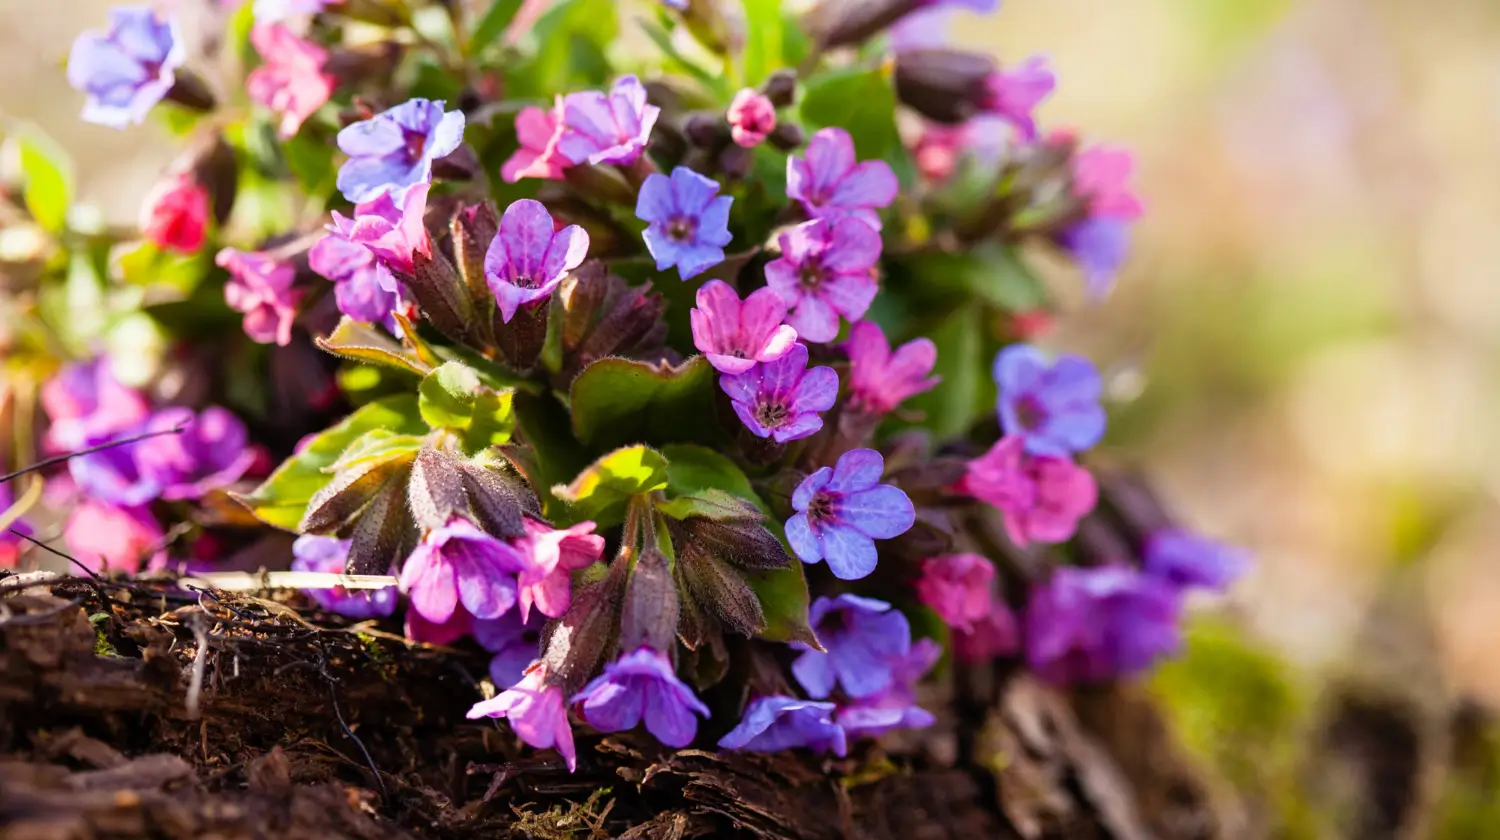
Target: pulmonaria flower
{"x": 1052, "y": 405}
{"x": 211, "y": 451}
{"x": 958, "y": 588}
{"x": 734, "y": 335}
{"x": 85, "y": 402}
{"x": 363, "y": 287}
{"x": 642, "y": 686}
{"x": 995, "y": 634}
{"x": 1185, "y": 559}
{"x": 1101, "y": 179}
{"x": 607, "y": 128}
{"x": 688, "y": 221}
{"x": 527, "y": 260}
{"x": 460, "y": 564}
{"x": 311, "y": 553}
{"x": 842, "y": 511}
{"x": 549, "y": 556}
{"x": 1090, "y": 625}
{"x": 174, "y": 216}
{"x": 776, "y": 723}
{"x": 894, "y": 707}
{"x": 538, "y": 131}
{"x": 290, "y": 81}
{"x": 114, "y": 475}
{"x": 392, "y": 233}
{"x": 751, "y": 118}
{"x": 122, "y": 538}
{"x": 880, "y": 380}
{"x": 536, "y": 711}
{"x": 1041, "y": 497}
{"x": 261, "y": 287}
{"x": 269, "y": 11}
{"x": 128, "y": 68}
{"x": 393, "y": 151}
{"x": 1099, "y": 246}
{"x": 831, "y": 185}
{"x": 1014, "y": 95}
{"x": 782, "y": 399}
{"x": 864, "y": 639}
{"x": 512, "y": 642}
{"x": 826, "y": 269}
{"x": 939, "y": 148}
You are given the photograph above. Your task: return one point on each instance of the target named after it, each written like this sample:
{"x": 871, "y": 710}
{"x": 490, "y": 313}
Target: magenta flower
{"x": 527, "y": 260}
{"x": 880, "y": 380}
{"x": 512, "y": 642}
{"x": 1041, "y": 497}
{"x": 212, "y": 451}
{"x": 115, "y": 475}
{"x": 843, "y": 510}
{"x": 392, "y": 233}
{"x": 269, "y": 11}
{"x": 393, "y": 151}
{"x": 994, "y": 635}
{"x": 751, "y": 118}
{"x": 85, "y": 402}
{"x": 458, "y": 625}
{"x": 363, "y": 287}
{"x": 642, "y": 686}
{"x": 328, "y": 555}
{"x": 776, "y": 723}
{"x": 536, "y": 711}
{"x": 735, "y": 335}
{"x": 782, "y": 399}
{"x": 832, "y": 186}
{"x": 864, "y": 639}
{"x": 290, "y": 81}
{"x": 10, "y": 544}
{"x": 607, "y": 128}
{"x": 128, "y": 68}
{"x": 958, "y": 588}
{"x": 261, "y": 287}
{"x": 688, "y": 221}
{"x": 894, "y": 707}
{"x": 460, "y": 564}
{"x": 826, "y": 269}
{"x": 538, "y": 131}
{"x": 1091, "y": 625}
{"x": 549, "y": 557}
{"x": 1014, "y": 95}
{"x": 174, "y": 215}
{"x": 114, "y": 537}
{"x": 1185, "y": 559}
{"x": 1052, "y": 405}
{"x": 1101, "y": 178}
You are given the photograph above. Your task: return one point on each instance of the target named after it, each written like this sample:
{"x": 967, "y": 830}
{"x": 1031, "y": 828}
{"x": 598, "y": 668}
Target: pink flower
{"x": 550, "y": 556}
{"x": 831, "y": 185}
{"x": 1101, "y": 177}
{"x": 734, "y": 335}
{"x": 393, "y": 233}
{"x": 458, "y": 567}
{"x": 826, "y": 269}
{"x": 537, "y": 712}
{"x": 261, "y": 287}
{"x": 1014, "y": 95}
{"x": 86, "y": 403}
{"x": 880, "y": 380}
{"x": 607, "y": 128}
{"x": 751, "y": 118}
{"x": 958, "y": 588}
{"x": 938, "y": 150}
{"x": 996, "y": 634}
{"x": 291, "y": 82}
{"x": 1041, "y": 497}
{"x": 118, "y": 538}
{"x": 175, "y": 214}
{"x": 538, "y": 130}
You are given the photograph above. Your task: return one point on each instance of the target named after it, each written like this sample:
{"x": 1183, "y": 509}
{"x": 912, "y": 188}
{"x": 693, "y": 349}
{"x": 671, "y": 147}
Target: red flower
{"x": 175, "y": 214}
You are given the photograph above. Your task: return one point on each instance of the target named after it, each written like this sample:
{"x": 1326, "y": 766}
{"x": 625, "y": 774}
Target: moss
{"x": 568, "y": 821}
{"x": 102, "y": 645}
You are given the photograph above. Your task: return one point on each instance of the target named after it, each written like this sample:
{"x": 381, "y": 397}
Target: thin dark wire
{"x": 333, "y": 696}
{"x": 43, "y": 546}
{"x": 58, "y": 459}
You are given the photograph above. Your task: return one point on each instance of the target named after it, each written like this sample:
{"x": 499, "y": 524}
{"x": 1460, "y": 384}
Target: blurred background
{"x": 1303, "y": 348}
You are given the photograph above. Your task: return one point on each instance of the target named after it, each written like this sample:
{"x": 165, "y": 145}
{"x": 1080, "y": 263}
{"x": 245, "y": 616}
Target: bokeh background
{"x": 1304, "y": 347}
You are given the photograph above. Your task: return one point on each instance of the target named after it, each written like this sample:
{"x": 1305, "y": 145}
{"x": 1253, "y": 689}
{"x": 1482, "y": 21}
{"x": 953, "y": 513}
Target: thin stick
{"x": 68, "y": 557}
{"x": 58, "y": 459}
{"x": 200, "y": 661}
{"x": 249, "y": 582}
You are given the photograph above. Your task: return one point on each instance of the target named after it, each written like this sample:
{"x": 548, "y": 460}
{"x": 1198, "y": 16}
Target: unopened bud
{"x": 577, "y": 645}
{"x": 787, "y": 136}
{"x": 443, "y": 297}
{"x": 435, "y": 490}
{"x": 947, "y": 86}
{"x": 521, "y": 339}
{"x": 706, "y": 130}
{"x": 333, "y": 508}
{"x": 459, "y": 165}
{"x": 499, "y": 499}
{"x": 383, "y": 535}
{"x": 473, "y": 229}
{"x": 651, "y": 609}
{"x": 781, "y": 87}
{"x": 837, "y": 23}
{"x": 190, "y": 91}
{"x": 605, "y": 316}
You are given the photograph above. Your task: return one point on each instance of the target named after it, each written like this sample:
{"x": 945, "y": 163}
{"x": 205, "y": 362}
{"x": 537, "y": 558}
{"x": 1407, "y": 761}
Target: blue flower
{"x": 328, "y": 554}
{"x": 865, "y": 640}
{"x": 1052, "y": 405}
{"x": 512, "y": 642}
{"x": 689, "y": 221}
{"x": 127, "y": 69}
{"x": 843, "y": 510}
{"x": 784, "y": 723}
{"x": 1099, "y": 245}
{"x": 642, "y": 686}
{"x": 1185, "y": 559}
{"x": 394, "y": 150}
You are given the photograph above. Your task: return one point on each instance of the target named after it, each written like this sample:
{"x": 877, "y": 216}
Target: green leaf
{"x": 991, "y": 272}
{"x": 783, "y": 601}
{"x": 570, "y": 40}
{"x": 602, "y": 490}
{"x": 375, "y": 445}
{"x": 677, "y": 61}
{"x": 618, "y": 401}
{"x": 863, "y": 102}
{"x": 543, "y": 423}
{"x": 763, "y": 37}
{"x": 178, "y": 275}
{"x": 696, "y": 469}
{"x": 954, "y": 406}
{"x": 282, "y": 498}
{"x": 362, "y": 342}
{"x": 714, "y": 504}
{"x": 492, "y": 25}
{"x": 49, "y": 179}
{"x": 453, "y": 397}
{"x": 311, "y": 162}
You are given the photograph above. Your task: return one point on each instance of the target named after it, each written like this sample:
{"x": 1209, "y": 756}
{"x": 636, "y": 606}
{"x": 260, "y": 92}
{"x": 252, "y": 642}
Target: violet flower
{"x": 826, "y": 269}
{"x": 880, "y": 380}
{"x": 751, "y": 117}
{"x": 782, "y": 399}
{"x": 536, "y": 711}
{"x": 392, "y": 232}
{"x": 549, "y": 556}
{"x": 10, "y": 544}
{"x": 894, "y": 707}
{"x": 538, "y": 130}
{"x": 311, "y": 553}
{"x": 1091, "y": 625}
{"x": 1014, "y": 95}
{"x": 128, "y": 68}
{"x": 513, "y": 643}
{"x": 114, "y": 475}
{"x": 776, "y": 723}
{"x": 211, "y": 451}
{"x": 261, "y": 287}
{"x": 958, "y": 587}
{"x": 994, "y": 635}
{"x": 688, "y": 221}
{"x": 1041, "y": 498}
{"x": 831, "y": 185}
{"x": 642, "y": 686}
{"x": 527, "y": 259}
{"x": 460, "y": 564}
{"x": 843, "y": 510}
{"x": 122, "y": 538}
{"x": 290, "y": 81}
{"x": 363, "y": 287}
{"x": 85, "y": 402}
{"x": 607, "y": 128}
{"x": 1099, "y": 245}
{"x": 1185, "y": 559}
{"x": 1101, "y": 179}
{"x": 1052, "y": 405}
{"x": 734, "y": 335}
{"x": 863, "y": 637}
{"x": 393, "y": 151}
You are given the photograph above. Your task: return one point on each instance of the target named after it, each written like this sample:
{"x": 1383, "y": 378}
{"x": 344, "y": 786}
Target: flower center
{"x": 524, "y": 281}
{"x": 1030, "y": 413}
{"x": 820, "y": 509}
{"x": 682, "y": 229}
{"x": 415, "y": 144}
{"x": 771, "y": 413}
{"x": 810, "y": 276}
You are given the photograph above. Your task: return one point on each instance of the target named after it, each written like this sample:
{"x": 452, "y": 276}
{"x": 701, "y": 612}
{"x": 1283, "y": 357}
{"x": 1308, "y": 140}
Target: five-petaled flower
{"x": 1052, "y": 405}
{"x": 393, "y": 151}
{"x": 458, "y": 564}
{"x": 782, "y": 399}
{"x": 128, "y": 68}
{"x": 312, "y": 553}
{"x": 538, "y": 131}
{"x": 529, "y": 257}
{"x": 826, "y": 269}
{"x": 607, "y": 128}
{"x": 211, "y": 451}
{"x": 777, "y": 723}
{"x": 1090, "y": 625}
{"x": 537, "y": 711}
{"x": 174, "y": 216}
{"x": 550, "y": 556}
{"x": 261, "y": 287}
{"x": 864, "y": 639}
{"x": 688, "y": 221}
{"x": 1041, "y": 497}
{"x": 895, "y": 706}
{"x": 393, "y": 233}
{"x": 290, "y": 81}
{"x": 842, "y": 510}
{"x": 642, "y": 686}
{"x": 958, "y": 588}
{"x": 751, "y": 118}
{"x": 363, "y": 287}
{"x": 880, "y": 380}
{"x": 831, "y": 185}
{"x": 734, "y": 335}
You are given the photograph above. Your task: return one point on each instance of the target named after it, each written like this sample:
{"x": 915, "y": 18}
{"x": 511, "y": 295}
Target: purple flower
{"x": 1091, "y": 625}
{"x": 127, "y": 69}
{"x": 1014, "y": 95}
{"x": 268, "y": 11}
{"x": 831, "y": 185}
{"x": 895, "y": 707}
{"x": 312, "y": 553}
{"x": 363, "y": 287}
{"x": 778, "y": 723}
{"x": 880, "y": 380}
{"x": 607, "y": 128}
{"x": 536, "y": 711}
{"x": 1099, "y": 245}
{"x": 735, "y": 335}
{"x": 114, "y": 475}
{"x": 1053, "y": 405}
{"x": 843, "y": 510}
{"x": 782, "y": 399}
{"x": 261, "y": 287}
{"x": 1185, "y": 559}
{"x": 689, "y": 221}
{"x": 527, "y": 259}
{"x": 10, "y": 544}
{"x": 211, "y": 451}
{"x": 460, "y": 564}
{"x": 864, "y": 639}
{"x": 996, "y": 634}
{"x": 642, "y": 685}
{"x": 394, "y": 233}
{"x": 513, "y": 643}
{"x": 84, "y": 402}
{"x": 394, "y": 150}
{"x": 826, "y": 269}
{"x": 551, "y": 556}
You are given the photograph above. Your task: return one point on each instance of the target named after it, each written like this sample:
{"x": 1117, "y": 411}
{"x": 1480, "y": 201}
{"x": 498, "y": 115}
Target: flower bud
{"x": 577, "y": 645}
{"x": 174, "y": 216}
{"x": 713, "y": 595}
{"x": 383, "y": 535}
{"x": 190, "y": 91}
{"x": 436, "y": 491}
{"x": 521, "y": 339}
{"x": 780, "y": 87}
{"x": 947, "y": 86}
{"x": 444, "y": 297}
{"x": 787, "y": 136}
{"x": 650, "y": 613}
{"x": 605, "y": 316}
{"x": 333, "y": 508}
{"x": 706, "y": 130}
{"x": 751, "y": 118}
{"x": 499, "y": 499}
{"x": 462, "y": 164}
{"x": 473, "y": 229}
{"x": 837, "y": 23}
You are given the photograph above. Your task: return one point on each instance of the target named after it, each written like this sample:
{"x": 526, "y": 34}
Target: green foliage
{"x": 570, "y": 41}
{"x": 492, "y": 25}
{"x": 695, "y": 469}
{"x": 362, "y": 342}
{"x": 165, "y": 273}
{"x": 953, "y": 408}
{"x": 48, "y": 176}
{"x": 784, "y": 602}
{"x": 617, "y": 401}
{"x": 603, "y": 489}
{"x": 764, "y": 28}
{"x": 453, "y": 397}
{"x": 862, "y": 102}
